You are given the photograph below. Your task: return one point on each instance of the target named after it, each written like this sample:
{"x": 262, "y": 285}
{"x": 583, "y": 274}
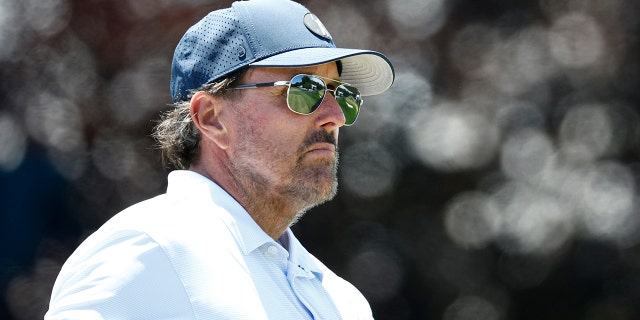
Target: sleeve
{"x": 124, "y": 276}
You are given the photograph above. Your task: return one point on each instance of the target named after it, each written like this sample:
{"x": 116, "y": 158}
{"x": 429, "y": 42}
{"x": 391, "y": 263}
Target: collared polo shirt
{"x": 195, "y": 253}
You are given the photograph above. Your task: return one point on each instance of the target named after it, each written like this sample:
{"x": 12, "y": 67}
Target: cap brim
{"x": 370, "y": 71}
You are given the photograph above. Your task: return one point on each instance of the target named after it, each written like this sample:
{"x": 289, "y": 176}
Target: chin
{"x": 326, "y": 192}
{"x": 319, "y": 199}
{"x": 314, "y": 187}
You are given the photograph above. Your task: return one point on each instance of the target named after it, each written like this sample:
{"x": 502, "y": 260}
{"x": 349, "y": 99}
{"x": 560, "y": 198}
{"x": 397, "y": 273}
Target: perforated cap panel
{"x": 270, "y": 33}
{"x": 213, "y": 47}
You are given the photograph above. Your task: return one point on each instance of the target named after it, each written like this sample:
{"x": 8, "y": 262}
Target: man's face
{"x": 274, "y": 150}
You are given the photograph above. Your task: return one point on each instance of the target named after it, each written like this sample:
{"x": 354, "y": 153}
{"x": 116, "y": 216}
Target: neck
{"x": 272, "y": 210}
{"x": 272, "y": 213}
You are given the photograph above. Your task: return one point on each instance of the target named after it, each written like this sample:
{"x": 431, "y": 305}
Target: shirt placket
{"x": 311, "y": 293}
{"x": 280, "y": 259}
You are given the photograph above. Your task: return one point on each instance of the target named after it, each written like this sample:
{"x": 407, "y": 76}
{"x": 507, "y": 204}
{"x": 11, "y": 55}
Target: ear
{"x": 206, "y": 111}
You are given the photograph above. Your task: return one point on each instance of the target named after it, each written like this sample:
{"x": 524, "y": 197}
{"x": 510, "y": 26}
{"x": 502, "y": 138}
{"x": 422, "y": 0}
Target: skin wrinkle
{"x": 300, "y": 193}
{"x": 261, "y": 166}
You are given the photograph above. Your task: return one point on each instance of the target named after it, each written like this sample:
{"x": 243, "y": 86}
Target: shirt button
{"x": 272, "y": 250}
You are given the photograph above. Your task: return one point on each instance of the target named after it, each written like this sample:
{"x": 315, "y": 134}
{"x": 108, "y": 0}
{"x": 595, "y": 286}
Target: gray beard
{"x": 307, "y": 189}
{"x": 310, "y": 185}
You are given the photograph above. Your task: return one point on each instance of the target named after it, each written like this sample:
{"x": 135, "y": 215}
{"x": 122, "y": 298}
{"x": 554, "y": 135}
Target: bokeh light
{"x": 367, "y": 178}
{"x": 13, "y": 143}
{"x": 471, "y": 308}
{"x": 9, "y": 28}
{"x": 472, "y": 220}
{"x": 47, "y": 18}
{"x": 576, "y": 40}
{"x": 453, "y": 137}
{"x": 417, "y": 19}
{"x": 532, "y": 221}
{"x": 377, "y": 274}
{"x": 55, "y": 122}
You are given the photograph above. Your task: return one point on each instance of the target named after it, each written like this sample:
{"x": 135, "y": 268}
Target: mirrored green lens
{"x": 305, "y": 94}
{"x": 350, "y": 101}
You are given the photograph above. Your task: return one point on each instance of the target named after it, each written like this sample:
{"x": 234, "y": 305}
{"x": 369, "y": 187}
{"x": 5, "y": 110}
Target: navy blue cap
{"x": 268, "y": 33}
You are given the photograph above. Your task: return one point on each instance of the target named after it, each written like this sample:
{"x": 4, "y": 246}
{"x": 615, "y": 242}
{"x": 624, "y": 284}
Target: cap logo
{"x": 314, "y": 25}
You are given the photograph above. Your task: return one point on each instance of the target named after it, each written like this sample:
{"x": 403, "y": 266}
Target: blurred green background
{"x": 497, "y": 179}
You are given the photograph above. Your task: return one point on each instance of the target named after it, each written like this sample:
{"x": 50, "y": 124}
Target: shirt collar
{"x": 247, "y": 233}
{"x": 299, "y": 256}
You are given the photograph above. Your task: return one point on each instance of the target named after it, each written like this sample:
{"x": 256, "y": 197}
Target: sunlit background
{"x": 497, "y": 179}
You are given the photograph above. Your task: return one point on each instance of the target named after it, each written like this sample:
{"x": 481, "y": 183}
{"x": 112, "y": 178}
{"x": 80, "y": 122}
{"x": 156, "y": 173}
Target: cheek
{"x": 264, "y": 125}
{"x": 261, "y": 112}
{"x": 272, "y": 125}
{"x": 265, "y": 137}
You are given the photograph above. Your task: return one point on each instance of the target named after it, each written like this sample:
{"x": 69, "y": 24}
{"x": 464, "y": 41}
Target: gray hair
{"x": 177, "y": 136}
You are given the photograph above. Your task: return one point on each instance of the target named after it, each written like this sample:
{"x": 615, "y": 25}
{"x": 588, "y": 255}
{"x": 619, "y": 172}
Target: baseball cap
{"x": 268, "y": 33}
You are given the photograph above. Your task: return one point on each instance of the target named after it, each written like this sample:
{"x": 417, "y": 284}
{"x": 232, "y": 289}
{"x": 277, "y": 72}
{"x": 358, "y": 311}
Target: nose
{"x": 329, "y": 112}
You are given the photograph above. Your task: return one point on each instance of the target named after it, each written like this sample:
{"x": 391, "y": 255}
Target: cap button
{"x": 242, "y": 53}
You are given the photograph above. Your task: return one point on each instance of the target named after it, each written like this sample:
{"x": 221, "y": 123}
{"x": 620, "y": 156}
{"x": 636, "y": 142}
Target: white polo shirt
{"x": 195, "y": 253}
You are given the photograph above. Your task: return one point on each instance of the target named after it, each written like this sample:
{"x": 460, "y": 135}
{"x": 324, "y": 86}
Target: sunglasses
{"x": 306, "y": 92}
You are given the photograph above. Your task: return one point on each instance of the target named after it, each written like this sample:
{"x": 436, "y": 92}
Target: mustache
{"x": 319, "y": 136}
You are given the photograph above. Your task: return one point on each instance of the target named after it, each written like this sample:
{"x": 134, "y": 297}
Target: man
{"x": 260, "y": 92}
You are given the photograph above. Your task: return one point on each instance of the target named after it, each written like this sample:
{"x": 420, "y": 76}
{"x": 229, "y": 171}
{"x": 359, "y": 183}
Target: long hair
{"x": 177, "y": 136}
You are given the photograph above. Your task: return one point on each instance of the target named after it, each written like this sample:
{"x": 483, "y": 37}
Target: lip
{"x": 323, "y": 147}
